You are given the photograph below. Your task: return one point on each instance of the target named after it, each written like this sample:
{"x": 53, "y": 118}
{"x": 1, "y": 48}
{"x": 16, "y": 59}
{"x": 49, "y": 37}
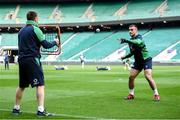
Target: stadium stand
{"x": 177, "y": 48}
{"x": 173, "y": 8}
{"x": 73, "y": 13}
{"x": 90, "y": 43}
{"x": 160, "y": 39}
{"x": 96, "y": 45}
{"x": 136, "y": 9}
{"x": 44, "y": 11}
{"x": 75, "y": 45}
{"x": 104, "y": 47}
{"x": 103, "y": 11}
{"x": 9, "y": 40}
{"x": 90, "y": 12}
{"x": 6, "y": 13}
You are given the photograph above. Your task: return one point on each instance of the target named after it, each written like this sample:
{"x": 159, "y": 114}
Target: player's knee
{"x": 148, "y": 76}
{"x": 20, "y": 89}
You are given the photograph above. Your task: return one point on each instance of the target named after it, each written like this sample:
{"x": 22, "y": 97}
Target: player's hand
{"x": 123, "y": 40}
{"x": 57, "y": 27}
{"x": 122, "y": 58}
{"x": 57, "y": 42}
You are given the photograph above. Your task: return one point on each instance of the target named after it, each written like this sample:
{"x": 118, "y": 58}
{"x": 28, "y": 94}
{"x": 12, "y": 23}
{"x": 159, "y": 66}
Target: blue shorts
{"x": 30, "y": 72}
{"x": 146, "y": 64}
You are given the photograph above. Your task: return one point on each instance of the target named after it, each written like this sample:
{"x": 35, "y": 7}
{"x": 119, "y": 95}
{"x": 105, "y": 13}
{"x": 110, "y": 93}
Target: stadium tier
{"x": 173, "y": 8}
{"x": 44, "y": 11}
{"x": 98, "y": 46}
{"x": 90, "y": 12}
{"x": 160, "y": 39}
{"x": 106, "y": 11}
{"x": 76, "y": 44}
{"x": 104, "y": 47}
{"x": 74, "y": 13}
{"x": 9, "y": 40}
{"x": 138, "y": 9}
{"x": 177, "y": 49}
{"x": 5, "y": 13}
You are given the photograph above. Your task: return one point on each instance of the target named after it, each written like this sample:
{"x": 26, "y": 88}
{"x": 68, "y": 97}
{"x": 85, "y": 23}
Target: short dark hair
{"x": 31, "y": 15}
{"x": 133, "y": 25}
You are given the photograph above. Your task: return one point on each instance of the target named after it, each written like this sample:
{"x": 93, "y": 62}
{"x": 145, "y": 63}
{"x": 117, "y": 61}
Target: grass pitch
{"x": 87, "y": 93}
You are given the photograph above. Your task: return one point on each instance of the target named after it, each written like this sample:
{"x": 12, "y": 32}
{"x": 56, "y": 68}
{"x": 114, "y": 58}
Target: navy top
{"x": 30, "y": 39}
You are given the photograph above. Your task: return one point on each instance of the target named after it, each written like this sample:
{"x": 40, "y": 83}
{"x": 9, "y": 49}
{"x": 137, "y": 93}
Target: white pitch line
{"x": 62, "y": 115}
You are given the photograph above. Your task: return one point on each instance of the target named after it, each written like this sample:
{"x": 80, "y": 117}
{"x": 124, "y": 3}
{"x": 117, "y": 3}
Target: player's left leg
{"x": 83, "y": 65}
{"x": 19, "y": 94}
{"x": 8, "y": 65}
{"x": 148, "y": 75}
{"x": 149, "y": 78}
{"x": 5, "y": 65}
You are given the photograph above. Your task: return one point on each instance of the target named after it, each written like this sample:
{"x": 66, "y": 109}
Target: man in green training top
{"x": 142, "y": 60}
{"x": 30, "y": 39}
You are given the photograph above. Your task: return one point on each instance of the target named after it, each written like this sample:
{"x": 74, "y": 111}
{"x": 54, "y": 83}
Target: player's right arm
{"x": 134, "y": 41}
{"x": 42, "y": 39}
{"x": 127, "y": 56}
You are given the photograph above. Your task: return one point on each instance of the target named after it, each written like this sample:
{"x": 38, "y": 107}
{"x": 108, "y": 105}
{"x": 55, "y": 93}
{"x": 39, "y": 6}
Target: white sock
{"x": 41, "y": 108}
{"x": 83, "y": 65}
{"x": 131, "y": 91}
{"x": 17, "y": 107}
{"x": 156, "y": 92}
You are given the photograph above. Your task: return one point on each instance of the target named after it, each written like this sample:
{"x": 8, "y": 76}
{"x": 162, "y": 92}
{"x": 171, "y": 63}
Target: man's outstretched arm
{"x": 135, "y": 41}
{"x": 127, "y": 56}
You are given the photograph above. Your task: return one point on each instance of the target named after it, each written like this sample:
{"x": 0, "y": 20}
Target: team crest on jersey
{"x": 35, "y": 81}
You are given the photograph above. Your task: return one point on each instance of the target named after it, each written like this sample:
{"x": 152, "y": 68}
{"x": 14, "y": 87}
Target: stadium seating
{"x": 105, "y": 47}
{"x": 177, "y": 48}
{"x": 97, "y": 46}
{"x": 9, "y": 40}
{"x": 173, "y": 8}
{"x": 141, "y": 9}
{"x": 43, "y": 10}
{"x": 75, "y": 45}
{"x": 89, "y": 12}
{"x": 88, "y": 40}
{"x": 160, "y": 39}
{"x": 105, "y": 11}
{"x": 5, "y": 9}
{"x": 73, "y": 13}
